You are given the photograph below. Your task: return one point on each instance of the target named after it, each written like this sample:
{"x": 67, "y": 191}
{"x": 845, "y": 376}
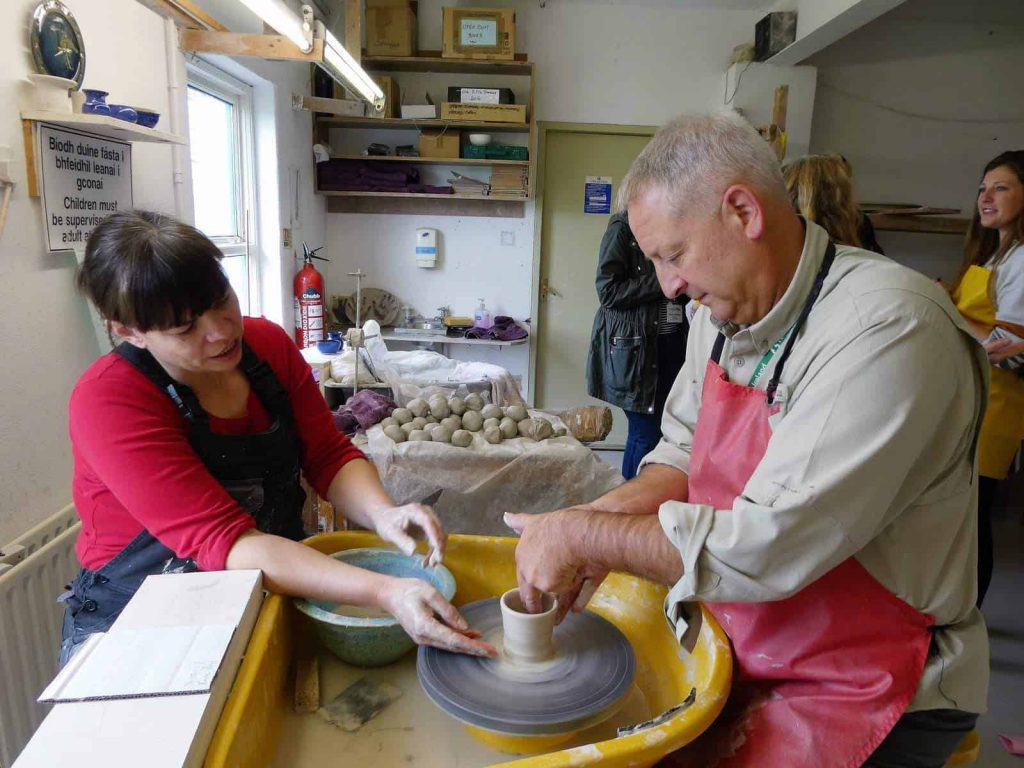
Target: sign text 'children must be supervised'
{"x": 85, "y": 179}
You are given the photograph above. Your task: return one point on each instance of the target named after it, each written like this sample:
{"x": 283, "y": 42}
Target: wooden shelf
{"x": 425, "y": 196}
{"x": 431, "y": 160}
{"x": 431, "y": 61}
{"x": 103, "y": 125}
{"x": 440, "y": 338}
{"x": 411, "y": 124}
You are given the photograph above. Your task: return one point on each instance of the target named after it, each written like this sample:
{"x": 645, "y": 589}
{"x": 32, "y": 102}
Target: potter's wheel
{"x": 591, "y": 672}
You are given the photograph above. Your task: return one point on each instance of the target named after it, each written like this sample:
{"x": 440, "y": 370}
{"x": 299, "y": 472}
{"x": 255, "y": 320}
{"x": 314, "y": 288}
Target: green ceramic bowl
{"x": 369, "y": 640}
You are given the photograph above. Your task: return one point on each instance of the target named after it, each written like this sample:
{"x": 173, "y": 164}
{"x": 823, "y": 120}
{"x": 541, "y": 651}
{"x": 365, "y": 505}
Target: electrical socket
{"x": 508, "y": 237}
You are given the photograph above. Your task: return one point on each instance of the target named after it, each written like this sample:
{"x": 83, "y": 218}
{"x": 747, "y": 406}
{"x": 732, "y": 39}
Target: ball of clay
{"x": 462, "y": 438}
{"x": 432, "y": 420}
{"x": 408, "y": 427}
{"x": 516, "y": 412}
{"x": 472, "y": 421}
{"x": 526, "y": 427}
{"x": 439, "y": 408}
{"x": 452, "y": 422}
{"x": 491, "y": 411}
{"x": 561, "y": 431}
{"x": 508, "y": 428}
{"x": 542, "y": 429}
{"x": 457, "y": 406}
{"x": 441, "y": 434}
{"x": 402, "y": 415}
{"x": 418, "y": 406}
{"x": 395, "y": 432}
{"x": 388, "y": 422}
{"x": 474, "y": 402}
{"x": 488, "y": 423}
{"x": 419, "y": 422}
{"x": 419, "y": 434}
{"x": 492, "y": 434}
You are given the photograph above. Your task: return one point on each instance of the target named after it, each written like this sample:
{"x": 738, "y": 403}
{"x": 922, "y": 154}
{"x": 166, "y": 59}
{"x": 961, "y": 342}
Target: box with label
{"x": 391, "y": 28}
{"x": 419, "y": 111}
{"x": 479, "y": 33}
{"x": 488, "y": 113}
{"x": 481, "y": 95}
{"x": 440, "y": 143}
{"x": 392, "y": 97}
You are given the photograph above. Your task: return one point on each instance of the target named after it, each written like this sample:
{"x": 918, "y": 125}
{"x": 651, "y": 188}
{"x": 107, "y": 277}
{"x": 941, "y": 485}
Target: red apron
{"x": 821, "y": 677}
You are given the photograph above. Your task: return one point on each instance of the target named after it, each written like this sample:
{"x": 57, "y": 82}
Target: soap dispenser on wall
{"x": 426, "y": 247}
{"x": 482, "y": 316}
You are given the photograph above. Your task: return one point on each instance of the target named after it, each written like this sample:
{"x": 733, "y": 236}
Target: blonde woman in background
{"x": 989, "y": 293}
{"x": 821, "y": 188}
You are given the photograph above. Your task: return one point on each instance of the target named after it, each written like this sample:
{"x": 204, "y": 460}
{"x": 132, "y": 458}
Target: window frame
{"x": 219, "y": 84}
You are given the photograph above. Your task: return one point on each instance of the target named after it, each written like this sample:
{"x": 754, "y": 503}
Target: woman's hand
{"x": 1000, "y": 349}
{"x": 403, "y": 525}
{"x": 429, "y": 619}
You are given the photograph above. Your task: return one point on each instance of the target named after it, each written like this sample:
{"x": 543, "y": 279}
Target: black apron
{"x": 260, "y": 471}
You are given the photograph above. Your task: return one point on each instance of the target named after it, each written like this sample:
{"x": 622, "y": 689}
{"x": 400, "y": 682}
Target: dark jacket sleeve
{"x": 619, "y": 283}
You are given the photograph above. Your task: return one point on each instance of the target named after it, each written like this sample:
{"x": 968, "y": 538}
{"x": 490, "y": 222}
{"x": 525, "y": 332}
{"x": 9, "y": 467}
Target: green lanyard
{"x": 761, "y": 366}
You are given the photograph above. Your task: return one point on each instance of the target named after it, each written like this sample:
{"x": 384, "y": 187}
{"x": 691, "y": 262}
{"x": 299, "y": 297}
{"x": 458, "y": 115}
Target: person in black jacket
{"x": 638, "y": 342}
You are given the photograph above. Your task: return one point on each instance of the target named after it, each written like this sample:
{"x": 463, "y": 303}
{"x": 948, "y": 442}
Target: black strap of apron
{"x": 812, "y": 297}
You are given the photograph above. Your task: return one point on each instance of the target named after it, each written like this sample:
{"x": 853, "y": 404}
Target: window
{"x": 220, "y": 123}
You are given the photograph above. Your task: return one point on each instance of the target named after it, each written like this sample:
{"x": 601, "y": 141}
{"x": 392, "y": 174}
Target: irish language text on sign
{"x": 85, "y": 179}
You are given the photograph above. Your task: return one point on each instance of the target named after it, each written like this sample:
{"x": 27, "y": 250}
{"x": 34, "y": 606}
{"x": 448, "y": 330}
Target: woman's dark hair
{"x": 151, "y": 272}
{"x": 982, "y": 243}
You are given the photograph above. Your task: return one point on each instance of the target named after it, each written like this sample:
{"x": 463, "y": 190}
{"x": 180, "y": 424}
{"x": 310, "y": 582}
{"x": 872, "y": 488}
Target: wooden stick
{"x": 8, "y": 188}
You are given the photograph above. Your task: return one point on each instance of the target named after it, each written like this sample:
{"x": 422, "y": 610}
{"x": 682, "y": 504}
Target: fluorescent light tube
{"x": 341, "y": 66}
{"x": 286, "y": 21}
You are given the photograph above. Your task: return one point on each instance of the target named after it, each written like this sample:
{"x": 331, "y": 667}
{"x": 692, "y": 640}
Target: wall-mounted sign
{"x": 84, "y": 179}
{"x": 597, "y": 194}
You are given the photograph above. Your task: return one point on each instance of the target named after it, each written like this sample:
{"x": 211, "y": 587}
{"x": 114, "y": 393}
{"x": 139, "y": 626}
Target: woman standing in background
{"x": 989, "y": 293}
{"x": 638, "y": 341}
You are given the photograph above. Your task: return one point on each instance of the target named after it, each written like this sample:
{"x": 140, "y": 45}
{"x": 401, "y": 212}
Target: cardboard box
{"x": 392, "y": 97}
{"x": 391, "y": 28}
{"x": 440, "y": 143}
{"x": 479, "y": 33}
{"x": 481, "y": 95}
{"x": 419, "y": 111}
{"x": 490, "y": 113}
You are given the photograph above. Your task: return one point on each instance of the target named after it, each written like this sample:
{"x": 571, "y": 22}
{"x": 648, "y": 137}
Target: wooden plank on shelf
{"x": 236, "y": 44}
{"x": 431, "y": 61}
{"x": 435, "y": 205}
{"x": 28, "y": 135}
{"x": 940, "y": 225}
{"x": 431, "y": 160}
{"x": 409, "y": 124}
{"x": 184, "y": 13}
{"x": 920, "y": 210}
{"x": 103, "y": 125}
{"x": 354, "y": 29}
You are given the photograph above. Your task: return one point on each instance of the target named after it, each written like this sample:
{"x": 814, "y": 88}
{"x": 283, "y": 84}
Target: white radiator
{"x": 33, "y": 571}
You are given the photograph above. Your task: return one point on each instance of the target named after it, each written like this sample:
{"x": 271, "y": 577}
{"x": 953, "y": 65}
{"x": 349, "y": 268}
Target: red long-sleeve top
{"x": 135, "y": 469}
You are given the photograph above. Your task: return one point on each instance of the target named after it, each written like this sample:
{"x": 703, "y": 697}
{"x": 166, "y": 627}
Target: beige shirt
{"x": 872, "y": 456}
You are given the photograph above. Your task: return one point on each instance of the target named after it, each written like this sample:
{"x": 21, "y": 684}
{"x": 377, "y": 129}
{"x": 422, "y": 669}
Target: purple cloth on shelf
{"x": 504, "y": 329}
{"x": 362, "y": 411}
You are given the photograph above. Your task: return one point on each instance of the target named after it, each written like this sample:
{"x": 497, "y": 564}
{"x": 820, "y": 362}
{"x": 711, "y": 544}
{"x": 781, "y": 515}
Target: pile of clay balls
{"x": 455, "y": 419}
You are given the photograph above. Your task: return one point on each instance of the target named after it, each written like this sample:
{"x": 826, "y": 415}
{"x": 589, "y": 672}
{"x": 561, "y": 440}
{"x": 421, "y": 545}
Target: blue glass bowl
{"x": 329, "y": 346}
{"x": 147, "y": 117}
{"x": 124, "y": 112}
{"x": 372, "y": 641}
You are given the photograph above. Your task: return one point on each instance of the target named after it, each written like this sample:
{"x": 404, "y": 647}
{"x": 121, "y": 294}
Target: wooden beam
{"x": 260, "y": 46}
{"x": 506, "y": 209}
{"x": 354, "y": 29}
{"x": 28, "y": 135}
{"x": 779, "y": 106}
{"x": 184, "y": 13}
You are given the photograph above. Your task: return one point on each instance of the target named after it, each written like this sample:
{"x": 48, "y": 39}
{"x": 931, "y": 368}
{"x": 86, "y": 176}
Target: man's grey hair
{"x": 695, "y": 158}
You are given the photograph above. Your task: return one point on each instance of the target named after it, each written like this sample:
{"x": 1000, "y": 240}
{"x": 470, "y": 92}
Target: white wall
{"x": 47, "y": 338}
{"x": 597, "y": 61}
{"x": 919, "y": 101}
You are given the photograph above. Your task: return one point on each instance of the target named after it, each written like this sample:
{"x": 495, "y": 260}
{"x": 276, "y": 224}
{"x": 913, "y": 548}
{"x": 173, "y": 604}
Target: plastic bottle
{"x": 482, "y": 316}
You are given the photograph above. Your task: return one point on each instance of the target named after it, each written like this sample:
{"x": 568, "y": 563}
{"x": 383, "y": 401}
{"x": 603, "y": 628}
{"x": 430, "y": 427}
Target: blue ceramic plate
{"x": 56, "y": 42}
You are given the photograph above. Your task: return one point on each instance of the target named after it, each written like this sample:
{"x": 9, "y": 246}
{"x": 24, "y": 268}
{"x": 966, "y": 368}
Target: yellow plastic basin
{"x": 484, "y": 566}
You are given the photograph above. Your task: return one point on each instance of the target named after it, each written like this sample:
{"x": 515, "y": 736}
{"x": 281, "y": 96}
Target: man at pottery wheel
{"x": 815, "y": 487}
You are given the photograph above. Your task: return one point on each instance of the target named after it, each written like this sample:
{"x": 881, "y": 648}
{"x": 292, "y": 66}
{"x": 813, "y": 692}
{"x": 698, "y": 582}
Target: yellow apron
{"x": 1003, "y": 427}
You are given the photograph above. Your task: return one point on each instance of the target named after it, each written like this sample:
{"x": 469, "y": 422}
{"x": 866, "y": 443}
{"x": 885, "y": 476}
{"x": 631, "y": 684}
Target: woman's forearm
{"x": 357, "y": 492}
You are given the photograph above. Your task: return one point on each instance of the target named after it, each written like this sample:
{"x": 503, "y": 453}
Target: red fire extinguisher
{"x": 309, "y": 300}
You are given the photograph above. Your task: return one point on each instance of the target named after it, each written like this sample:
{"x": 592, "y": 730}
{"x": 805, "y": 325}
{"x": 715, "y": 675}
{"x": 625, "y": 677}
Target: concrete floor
{"x": 1004, "y": 614}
